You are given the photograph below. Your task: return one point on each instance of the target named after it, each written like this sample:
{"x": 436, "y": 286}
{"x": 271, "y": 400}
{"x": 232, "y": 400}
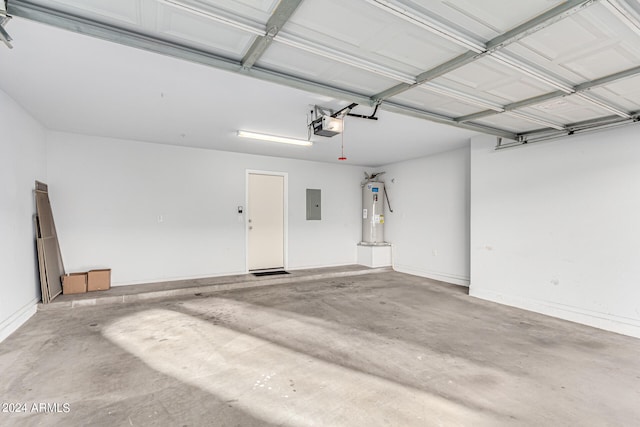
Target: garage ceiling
{"x": 541, "y": 69}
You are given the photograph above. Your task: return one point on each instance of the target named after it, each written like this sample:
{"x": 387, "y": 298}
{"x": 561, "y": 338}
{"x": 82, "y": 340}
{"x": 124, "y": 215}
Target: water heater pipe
{"x": 386, "y": 195}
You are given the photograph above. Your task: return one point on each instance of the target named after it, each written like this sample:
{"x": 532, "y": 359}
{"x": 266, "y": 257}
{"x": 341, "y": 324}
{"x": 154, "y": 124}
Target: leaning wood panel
{"x": 53, "y": 265}
{"x": 44, "y": 287}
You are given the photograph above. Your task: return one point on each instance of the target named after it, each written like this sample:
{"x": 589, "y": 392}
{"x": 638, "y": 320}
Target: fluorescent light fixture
{"x": 530, "y": 71}
{"x": 535, "y": 120}
{"x": 603, "y": 105}
{"x": 429, "y": 24}
{"x": 215, "y": 17}
{"x": 469, "y": 99}
{"x": 273, "y": 138}
{"x": 625, "y": 13}
{"x": 345, "y": 58}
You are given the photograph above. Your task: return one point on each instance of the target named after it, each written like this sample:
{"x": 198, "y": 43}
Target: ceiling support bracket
{"x": 586, "y": 126}
{"x": 4, "y": 18}
{"x": 279, "y": 17}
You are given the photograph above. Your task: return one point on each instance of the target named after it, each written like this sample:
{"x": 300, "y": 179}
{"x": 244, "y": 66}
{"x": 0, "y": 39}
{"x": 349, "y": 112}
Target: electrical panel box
{"x": 314, "y": 204}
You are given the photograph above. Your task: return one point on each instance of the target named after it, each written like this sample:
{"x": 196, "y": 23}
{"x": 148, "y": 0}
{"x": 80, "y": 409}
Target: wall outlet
{"x": 160, "y": 219}
{"x": 435, "y": 252}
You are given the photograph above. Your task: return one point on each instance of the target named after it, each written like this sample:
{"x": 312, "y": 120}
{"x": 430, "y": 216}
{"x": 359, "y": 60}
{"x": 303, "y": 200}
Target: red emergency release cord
{"x": 342, "y": 157}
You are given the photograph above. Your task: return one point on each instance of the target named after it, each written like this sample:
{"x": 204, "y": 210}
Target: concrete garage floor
{"x": 384, "y": 349}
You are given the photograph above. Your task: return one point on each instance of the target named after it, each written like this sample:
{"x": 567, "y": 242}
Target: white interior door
{"x": 266, "y": 221}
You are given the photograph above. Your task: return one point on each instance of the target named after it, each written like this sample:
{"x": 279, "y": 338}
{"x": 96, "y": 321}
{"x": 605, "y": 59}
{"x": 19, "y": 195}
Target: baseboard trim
{"x": 306, "y": 267}
{"x": 176, "y": 279}
{"x": 207, "y": 276}
{"x": 607, "y": 322}
{"x": 17, "y": 319}
{"x": 454, "y": 279}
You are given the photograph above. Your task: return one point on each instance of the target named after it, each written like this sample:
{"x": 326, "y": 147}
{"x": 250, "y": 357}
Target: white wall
{"x": 108, "y": 193}
{"x": 429, "y": 228}
{"x": 22, "y": 161}
{"x": 555, "y": 227}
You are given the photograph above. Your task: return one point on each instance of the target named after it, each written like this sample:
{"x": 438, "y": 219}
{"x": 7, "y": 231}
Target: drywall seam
{"x": 454, "y": 279}
{"x": 608, "y": 322}
{"x": 17, "y": 319}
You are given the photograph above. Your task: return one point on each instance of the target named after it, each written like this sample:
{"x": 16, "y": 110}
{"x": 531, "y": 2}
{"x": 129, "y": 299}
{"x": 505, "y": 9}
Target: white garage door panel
{"x": 625, "y": 93}
{"x": 493, "y": 13}
{"x": 489, "y": 79}
{"x": 583, "y": 47}
{"x": 569, "y": 109}
{"x": 365, "y": 31}
{"x": 257, "y": 10}
{"x": 198, "y": 30}
{"x": 504, "y": 121}
{"x": 123, "y": 11}
{"x": 296, "y": 61}
{"x": 434, "y": 102}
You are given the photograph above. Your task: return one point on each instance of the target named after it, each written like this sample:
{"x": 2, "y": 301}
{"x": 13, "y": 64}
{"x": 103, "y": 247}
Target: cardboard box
{"x": 74, "y": 283}
{"x": 99, "y": 280}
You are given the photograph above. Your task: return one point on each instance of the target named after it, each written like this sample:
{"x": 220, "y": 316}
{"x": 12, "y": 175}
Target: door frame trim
{"x": 285, "y": 209}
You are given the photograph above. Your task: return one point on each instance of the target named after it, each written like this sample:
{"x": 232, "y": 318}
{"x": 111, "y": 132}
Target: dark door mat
{"x": 270, "y": 273}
